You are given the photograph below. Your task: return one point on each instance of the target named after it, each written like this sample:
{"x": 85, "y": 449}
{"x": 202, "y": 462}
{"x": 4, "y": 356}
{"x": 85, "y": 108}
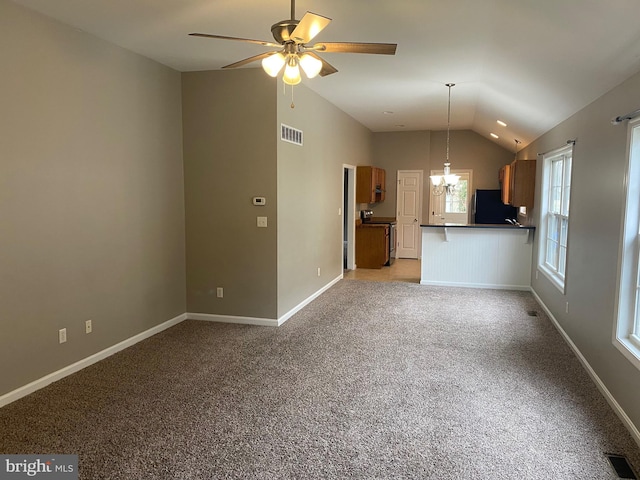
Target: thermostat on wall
{"x": 259, "y": 201}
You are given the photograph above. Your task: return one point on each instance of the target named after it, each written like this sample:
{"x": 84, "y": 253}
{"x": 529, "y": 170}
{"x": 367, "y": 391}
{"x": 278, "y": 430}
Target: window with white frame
{"x": 554, "y": 215}
{"x": 627, "y": 333}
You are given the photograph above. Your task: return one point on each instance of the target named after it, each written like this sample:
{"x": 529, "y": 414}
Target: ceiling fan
{"x": 292, "y": 37}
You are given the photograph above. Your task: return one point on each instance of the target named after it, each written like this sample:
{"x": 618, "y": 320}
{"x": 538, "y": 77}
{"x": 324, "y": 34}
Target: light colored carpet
{"x": 370, "y": 381}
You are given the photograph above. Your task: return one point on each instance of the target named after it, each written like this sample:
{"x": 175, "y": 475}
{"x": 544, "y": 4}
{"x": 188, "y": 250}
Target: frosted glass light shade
{"x": 451, "y": 179}
{"x": 310, "y": 65}
{"x": 436, "y": 179}
{"x": 292, "y": 74}
{"x": 273, "y": 64}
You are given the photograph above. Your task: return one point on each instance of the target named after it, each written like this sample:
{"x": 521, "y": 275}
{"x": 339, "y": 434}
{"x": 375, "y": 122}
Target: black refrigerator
{"x": 488, "y": 207}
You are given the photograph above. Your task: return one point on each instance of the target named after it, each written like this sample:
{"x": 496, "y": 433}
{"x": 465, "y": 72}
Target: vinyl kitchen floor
{"x": 402, "y": 270}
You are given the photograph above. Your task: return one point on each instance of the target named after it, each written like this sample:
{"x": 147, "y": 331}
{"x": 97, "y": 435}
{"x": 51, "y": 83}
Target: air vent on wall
{"x": 290, "y": 134}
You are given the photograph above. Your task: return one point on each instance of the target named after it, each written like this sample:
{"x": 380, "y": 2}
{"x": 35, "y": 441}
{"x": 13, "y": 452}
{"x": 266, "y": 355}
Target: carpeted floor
{"x": 370, "y": 381}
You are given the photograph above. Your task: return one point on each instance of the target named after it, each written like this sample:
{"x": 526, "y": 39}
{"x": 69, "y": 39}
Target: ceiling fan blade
{"x": 255, "y": 58}
{"x": 352, "y": 47}
{"x": 310, "y": 26}
{"x": 327, "y": 68}
{"x": 222, "y": 37}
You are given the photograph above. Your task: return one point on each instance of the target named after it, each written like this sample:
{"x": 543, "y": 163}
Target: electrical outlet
{"x": 220, "y": 292}
{"x": 262, "y": 222}
{"x": 88, "y": 328}
{"x": 62, "y": 335}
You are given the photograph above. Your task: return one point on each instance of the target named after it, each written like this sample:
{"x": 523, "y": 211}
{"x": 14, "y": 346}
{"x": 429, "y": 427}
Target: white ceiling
{"x": 530, "y": 63}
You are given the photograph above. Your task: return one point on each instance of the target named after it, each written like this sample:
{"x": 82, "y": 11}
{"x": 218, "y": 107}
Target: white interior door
{"x": 451, "y": 208}
{"x": 409, "y": 215}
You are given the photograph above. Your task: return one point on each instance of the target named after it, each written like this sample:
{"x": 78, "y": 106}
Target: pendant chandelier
{"x": 447, "y": 182}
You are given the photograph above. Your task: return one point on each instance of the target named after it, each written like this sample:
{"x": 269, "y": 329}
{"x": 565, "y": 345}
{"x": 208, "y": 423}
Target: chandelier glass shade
{"x": 448, "y": 181}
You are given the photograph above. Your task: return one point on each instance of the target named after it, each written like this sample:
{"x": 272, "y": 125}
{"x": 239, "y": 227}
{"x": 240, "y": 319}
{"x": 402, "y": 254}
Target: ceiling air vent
{"x": 290, "y": 134}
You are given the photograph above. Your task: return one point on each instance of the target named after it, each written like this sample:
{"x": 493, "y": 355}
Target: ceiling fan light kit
{"x": 274, "y": 63}
{"x": 292, "y": 37}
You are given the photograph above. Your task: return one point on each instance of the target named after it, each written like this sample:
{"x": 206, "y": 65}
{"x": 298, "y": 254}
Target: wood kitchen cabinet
{"x": 505, "y": 184}
{"x": 518, "y": 183}
{"x": 372, "y": 245}
{"x": 370, "y": 184}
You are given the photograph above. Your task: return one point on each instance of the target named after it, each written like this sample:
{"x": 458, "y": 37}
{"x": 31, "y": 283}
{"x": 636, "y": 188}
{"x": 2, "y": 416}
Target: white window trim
{"x": 624, "y": 337}
{"x": 553, "y": 277}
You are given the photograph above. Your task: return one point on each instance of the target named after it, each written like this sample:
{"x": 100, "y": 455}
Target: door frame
{"x": 348, "y": 215}
{"x": 460, "y": 171}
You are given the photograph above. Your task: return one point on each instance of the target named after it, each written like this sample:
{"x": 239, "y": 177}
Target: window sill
{"x": 630, "y": 348}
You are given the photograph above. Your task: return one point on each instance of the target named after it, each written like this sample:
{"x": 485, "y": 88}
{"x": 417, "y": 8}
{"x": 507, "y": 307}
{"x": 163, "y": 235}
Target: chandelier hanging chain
{"x": 447, "y": 182}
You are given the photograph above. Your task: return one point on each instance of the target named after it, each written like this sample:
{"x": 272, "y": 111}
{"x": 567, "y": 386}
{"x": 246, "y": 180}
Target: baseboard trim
{"x": 617, "y": 408}
{"x": 107, "y": 352}
{"x": 489, "y": 286}
{"x": 265, "y": 322}
{"x": 212, "y": 317}
{"x": 308, "y": 300}
{"x": 79, "y": 365}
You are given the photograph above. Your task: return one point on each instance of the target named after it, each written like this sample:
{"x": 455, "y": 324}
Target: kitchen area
{"x": 493, "y": 249}
{"x": 496, "y": 250}
{"x": 375, "y": 236}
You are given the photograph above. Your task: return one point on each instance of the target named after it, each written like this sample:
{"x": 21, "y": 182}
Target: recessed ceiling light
{"x": 500, "y": 122}
{"x": 494, "y": 135}
{"x": 387, "y": 112}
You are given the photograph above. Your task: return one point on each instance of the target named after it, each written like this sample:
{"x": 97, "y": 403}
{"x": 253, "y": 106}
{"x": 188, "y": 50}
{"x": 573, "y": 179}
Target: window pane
{"x": 553, "y": 231}
{"x": 555, "y": 199}
{"x": 564, "y": 228}
{"x": 566, "y": 187}
{"x": 456, "y": 202}
{"x": 562, "y": 260}
{"x": 556, "y": 173}
{"x": 552, "y": 254}
{"x": 636, "y": 326}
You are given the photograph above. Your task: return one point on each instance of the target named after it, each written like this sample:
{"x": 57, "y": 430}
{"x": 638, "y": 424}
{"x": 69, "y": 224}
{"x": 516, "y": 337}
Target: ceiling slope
{"x": 530, "y": 63}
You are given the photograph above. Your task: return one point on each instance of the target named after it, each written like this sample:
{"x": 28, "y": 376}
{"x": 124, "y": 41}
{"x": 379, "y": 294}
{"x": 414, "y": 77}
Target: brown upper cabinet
{"x": 518, "y": 183}
{"x": 370, "y": 184}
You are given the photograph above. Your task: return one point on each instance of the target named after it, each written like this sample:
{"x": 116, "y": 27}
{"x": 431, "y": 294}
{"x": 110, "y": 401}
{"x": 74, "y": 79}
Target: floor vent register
{"x": 622, "y": 466}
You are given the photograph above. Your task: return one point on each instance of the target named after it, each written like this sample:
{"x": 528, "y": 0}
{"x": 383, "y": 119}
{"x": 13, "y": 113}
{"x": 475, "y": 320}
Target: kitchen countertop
{"x": 380, "y": 220}
{"x": 504, "y": 226}
{"x": 373, "y": 225}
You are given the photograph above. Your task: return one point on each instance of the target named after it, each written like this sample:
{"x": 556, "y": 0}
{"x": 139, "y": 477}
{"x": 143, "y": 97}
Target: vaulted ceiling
{"x": 529, "y": 63}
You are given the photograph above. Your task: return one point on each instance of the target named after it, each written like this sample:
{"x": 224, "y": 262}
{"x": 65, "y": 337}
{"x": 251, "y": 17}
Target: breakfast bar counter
{"x": 477, "y": 255}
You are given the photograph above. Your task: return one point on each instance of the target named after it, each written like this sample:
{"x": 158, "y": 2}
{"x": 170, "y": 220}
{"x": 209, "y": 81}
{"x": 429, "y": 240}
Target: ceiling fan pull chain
{"x": 292, "y": 104}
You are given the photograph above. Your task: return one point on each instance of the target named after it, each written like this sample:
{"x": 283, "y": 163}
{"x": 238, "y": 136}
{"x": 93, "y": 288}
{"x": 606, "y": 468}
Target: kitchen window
{"x": 554, "y": 221}
{"x": 627, "y": 325}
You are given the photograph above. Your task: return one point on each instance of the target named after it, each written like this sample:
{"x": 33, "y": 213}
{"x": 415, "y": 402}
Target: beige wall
{"x": 232, "y": 152}
{"x": 395, "y": 151}
{"x": 229, "y": 122}
{"x": 598, "y": 176}
{"x": 310, "y": 189}
{"x": 426, "y": 150}
{"x": 91, "y": 195}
